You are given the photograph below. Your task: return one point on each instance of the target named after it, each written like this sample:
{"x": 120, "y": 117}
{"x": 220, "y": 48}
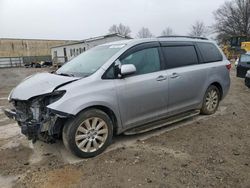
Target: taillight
{"x": 229, "y": 66}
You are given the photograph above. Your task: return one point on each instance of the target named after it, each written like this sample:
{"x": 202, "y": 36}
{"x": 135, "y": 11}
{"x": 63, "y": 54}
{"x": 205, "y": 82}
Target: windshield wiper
{"x": 66, "y": 74}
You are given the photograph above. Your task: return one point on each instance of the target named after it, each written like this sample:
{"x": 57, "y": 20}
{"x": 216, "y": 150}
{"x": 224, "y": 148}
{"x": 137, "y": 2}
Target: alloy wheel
{"x": 212, "y": 100}
{"x": 91, "y": 134}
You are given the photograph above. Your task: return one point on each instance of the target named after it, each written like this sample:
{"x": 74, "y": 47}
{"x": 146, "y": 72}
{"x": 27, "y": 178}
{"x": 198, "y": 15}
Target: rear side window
{"x": 209, "y": 52}
{"x": 179, "y": 56}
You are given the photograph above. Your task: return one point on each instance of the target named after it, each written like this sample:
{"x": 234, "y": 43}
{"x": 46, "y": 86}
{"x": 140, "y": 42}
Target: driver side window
{"x": 145, "y": 61}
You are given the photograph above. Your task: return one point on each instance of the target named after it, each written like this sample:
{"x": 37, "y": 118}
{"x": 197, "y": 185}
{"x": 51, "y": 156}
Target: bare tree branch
{"x": 232, "y": 19}
{"x": 120, "y": 29}
{"x": 144, "y": 33}
{"x": 167, "y": 32}
{"x": 198, "y": 29}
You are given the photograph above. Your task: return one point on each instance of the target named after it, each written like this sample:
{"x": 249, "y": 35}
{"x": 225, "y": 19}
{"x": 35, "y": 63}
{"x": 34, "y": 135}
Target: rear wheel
{"x": 88, "y": 134}
{"x": 211, "y": 100}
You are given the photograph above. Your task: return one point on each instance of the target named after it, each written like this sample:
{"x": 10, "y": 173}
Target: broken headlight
{"x": 54, "y": 96}
{"x": 39, "y": 104}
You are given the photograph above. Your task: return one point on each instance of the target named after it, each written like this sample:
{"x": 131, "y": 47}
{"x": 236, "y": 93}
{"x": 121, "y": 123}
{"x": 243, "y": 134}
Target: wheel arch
{"x": 109, "y": 112}
{"x": 219, "y": 86}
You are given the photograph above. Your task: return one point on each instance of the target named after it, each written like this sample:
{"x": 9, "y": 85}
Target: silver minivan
{"x": 128, "y": 87}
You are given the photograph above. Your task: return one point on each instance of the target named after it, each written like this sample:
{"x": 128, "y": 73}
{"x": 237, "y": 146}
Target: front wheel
{"x": 211, "y": 100}
{"x": 88, "y": 134}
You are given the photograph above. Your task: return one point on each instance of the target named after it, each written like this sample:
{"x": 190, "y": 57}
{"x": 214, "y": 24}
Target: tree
{"x": 232, "y": 19}
{"x": 120, "y": 29}
{"x": 198, "y": 29}
{"x": 144, "y": 33}
{"x": 167, "y": 32}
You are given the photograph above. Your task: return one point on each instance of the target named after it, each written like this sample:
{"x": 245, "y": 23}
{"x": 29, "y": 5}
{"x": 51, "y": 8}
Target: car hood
{"x": 39, "y": 84}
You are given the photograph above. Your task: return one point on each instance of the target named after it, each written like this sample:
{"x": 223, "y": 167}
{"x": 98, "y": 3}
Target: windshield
{"x": 89, "y": 62}
{"x": 245, "y": 58}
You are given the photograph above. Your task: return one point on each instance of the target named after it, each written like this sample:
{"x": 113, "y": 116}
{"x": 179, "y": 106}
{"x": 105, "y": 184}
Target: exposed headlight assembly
{"x": 56, "y": 95}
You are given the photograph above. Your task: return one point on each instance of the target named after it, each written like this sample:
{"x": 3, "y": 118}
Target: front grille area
{"x": 22, "y": 111}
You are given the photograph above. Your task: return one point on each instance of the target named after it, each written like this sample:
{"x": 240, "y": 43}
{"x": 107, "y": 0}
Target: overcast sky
{"x": 80, "y": 19}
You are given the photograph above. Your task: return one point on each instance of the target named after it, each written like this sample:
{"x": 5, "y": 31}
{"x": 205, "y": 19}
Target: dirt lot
{"x": 205, "y": 151}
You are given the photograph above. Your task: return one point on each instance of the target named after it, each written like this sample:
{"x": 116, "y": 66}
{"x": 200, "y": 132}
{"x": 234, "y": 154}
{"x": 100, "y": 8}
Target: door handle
{"x": 175, "y": 75}
{"x": 161, "y": 78}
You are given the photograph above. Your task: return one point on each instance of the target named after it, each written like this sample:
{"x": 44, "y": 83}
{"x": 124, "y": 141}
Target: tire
{"x": 211, "y": 100}
{"x": 88, "y": 134}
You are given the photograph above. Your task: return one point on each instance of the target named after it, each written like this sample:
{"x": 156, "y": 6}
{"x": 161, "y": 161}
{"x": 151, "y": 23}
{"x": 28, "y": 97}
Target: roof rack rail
{"x": 179, "y": 36}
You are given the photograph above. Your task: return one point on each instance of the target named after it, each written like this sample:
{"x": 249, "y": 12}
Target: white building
{"x": 63, "y": 53}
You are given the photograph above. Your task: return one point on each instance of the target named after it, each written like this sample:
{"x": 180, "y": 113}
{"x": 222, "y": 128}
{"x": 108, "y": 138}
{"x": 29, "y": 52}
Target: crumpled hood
{"x": 39, "y": 84}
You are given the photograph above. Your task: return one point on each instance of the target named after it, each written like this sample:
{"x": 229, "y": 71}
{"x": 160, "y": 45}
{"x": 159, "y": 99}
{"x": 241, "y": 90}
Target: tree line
{"x": 198, "y": 29}
{"x": 231, "y": 19}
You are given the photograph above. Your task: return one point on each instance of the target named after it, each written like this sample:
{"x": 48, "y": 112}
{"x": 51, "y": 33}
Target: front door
{"x": 143, "y": 96}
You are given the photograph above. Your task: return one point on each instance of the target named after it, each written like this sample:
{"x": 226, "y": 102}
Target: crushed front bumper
{"x": 10, "y": 113}
{"x": 29, "y": 129}
{"x": 46, "y": 131}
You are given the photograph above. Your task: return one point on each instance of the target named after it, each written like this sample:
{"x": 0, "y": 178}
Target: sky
{"x": 81, "y": 19}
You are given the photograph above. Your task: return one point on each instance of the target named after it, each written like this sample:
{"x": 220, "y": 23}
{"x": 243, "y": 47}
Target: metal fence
{"x": 21, "y": 61}
{"x": 30, "y": 59}
{"x": 11, "y": 62}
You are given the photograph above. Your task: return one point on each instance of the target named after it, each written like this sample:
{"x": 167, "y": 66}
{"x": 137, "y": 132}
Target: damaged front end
{"x": 37, "y": 121}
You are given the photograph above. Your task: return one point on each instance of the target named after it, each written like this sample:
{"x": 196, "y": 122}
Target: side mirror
{"x": 128, "y": 69}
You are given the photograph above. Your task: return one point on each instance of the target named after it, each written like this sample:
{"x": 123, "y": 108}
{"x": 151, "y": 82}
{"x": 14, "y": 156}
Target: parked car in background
{"x": 33, "y": 64}
{"x": 122, "y": 87}
{"x": 243, "y": 65}
{"x": 46, "y": 63}
{"x": 38, "y": 64}
{"x": 236, "y": 62}
{"x": 247, "y": 79}
{"x": 27, "y": 65}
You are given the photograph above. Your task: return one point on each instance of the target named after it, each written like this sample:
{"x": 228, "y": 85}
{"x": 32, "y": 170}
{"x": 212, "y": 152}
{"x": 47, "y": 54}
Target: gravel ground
{"x": 205, "y": 151}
